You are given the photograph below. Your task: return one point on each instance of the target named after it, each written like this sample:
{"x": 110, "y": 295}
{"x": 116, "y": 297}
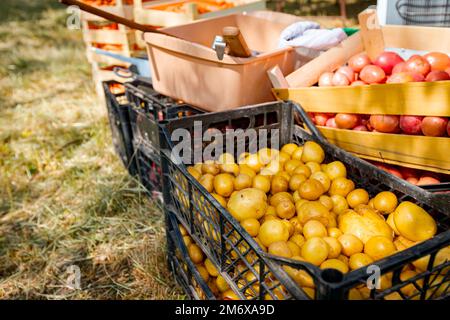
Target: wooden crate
{"x": 121, "y": 8}
{"x": 119, "y": 36}
{"x": 153, "y": 13}
{"x": 100, "y": 74}
{"x": 415, "y": 98}
{"x": 123, "y": 37}
{"x": 419, "y": 152}
{"x": 405, "y": 98}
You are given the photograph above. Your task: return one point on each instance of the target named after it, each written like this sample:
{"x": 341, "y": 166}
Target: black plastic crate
{"x": 181, "y": 265}
{"x": 229, "y": 246}
{"x": 149, "y": 170}
{"x": 119, "y": 120}
{"x": 147, "y": 109}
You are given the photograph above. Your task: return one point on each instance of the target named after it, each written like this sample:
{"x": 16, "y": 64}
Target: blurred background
{"x": 65, "y": 200}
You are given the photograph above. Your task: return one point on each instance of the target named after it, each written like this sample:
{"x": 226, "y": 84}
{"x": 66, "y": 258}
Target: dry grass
{"x": 64, "y": 197}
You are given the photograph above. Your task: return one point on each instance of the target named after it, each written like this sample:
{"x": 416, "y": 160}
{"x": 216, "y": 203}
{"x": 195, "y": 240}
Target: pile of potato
{"x": 296, "y": 206}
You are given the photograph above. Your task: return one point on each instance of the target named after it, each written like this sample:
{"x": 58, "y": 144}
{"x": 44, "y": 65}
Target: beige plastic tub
{"x": 185, "y": 67}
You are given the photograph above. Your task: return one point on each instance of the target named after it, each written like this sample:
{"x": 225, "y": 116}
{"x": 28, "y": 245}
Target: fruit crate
{"x": 147, "y": 109}
{"x": 175, "y": 12}
{"x": 181, "y": 265}
{"x": 104, "y": 72}
{"x": 438, "y": 182}
{"x": 123, "y": 8}
{"x": 422, "y": 152}
{"x": 229, "y": 246}
{"x": 111, "y": 37}
{"x": 119, "y": 121}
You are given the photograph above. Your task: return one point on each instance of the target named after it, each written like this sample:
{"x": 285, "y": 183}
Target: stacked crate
{"x": 116, "y": 38}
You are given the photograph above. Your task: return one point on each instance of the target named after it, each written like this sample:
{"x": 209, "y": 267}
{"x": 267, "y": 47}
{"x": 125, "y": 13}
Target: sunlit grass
{"x": 64, "y": 197}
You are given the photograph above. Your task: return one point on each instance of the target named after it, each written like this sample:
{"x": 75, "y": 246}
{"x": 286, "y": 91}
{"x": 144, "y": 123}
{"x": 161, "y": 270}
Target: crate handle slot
{"x": 123, "y": 73}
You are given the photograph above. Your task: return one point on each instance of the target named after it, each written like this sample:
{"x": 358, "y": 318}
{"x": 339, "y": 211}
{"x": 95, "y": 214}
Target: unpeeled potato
{"x": 413, "y": 222}
{"x": 366, "y": 225}
{"x": 247, "y": 203}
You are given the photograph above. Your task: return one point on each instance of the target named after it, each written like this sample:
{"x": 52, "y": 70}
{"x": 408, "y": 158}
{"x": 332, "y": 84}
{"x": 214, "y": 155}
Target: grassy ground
{"x": 65, "y": 199}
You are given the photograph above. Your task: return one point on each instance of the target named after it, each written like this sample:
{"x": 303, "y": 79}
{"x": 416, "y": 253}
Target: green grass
{"x": 64, "y": 197}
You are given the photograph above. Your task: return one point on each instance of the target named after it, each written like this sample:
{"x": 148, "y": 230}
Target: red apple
{"x": 438, "y": 60}
{"x": 340, "y": 79}
{"x": 425, "y": 180}
{"x": 360, "y": 128}
{"x": 389, "y": 168}
{"x": 411, "y": 124}
{"x": 348, "y": 72}
{"x": 325, "y": 79}
{"x": 418, "y": 64}
{"x": 448, "y": 128}
{"x": 372, "y": 74}
{"x": 346, "y": 121}
{"x": 358, "y": 62}
{"x": 437, "y": 76}
{"x": 400, "y": 77}
{"x": 418, "y": 77}
{"x": 321, "y": 118}
{"x": 434, "y": 126}
{"x": 385, "y": 123}
{"x": 399, "y": 67}
{"x": 331, "y": 123}
{"x": 387, "y": 61}
{"x": 395, "y": 172}
{"x": 412, "y": 180}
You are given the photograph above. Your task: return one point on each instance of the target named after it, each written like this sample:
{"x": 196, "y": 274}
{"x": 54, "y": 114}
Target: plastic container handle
{"x": 124, "y": 73}
{"x": 307, "y": 120}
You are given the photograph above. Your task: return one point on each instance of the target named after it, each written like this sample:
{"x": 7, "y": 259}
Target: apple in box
{"x": 385, "y": 123}
{"x": 417, "y": 64}
{"x": 387, "y": 61}
{"x": 438, "y": 61}
{"x": 321, "y": 118}
{"x": 347, "y": 121}
{"x": 411, "y": 124}
{"x": 331, "y": 123}
{"x": 434, "y": 126}
{"x": 437, "y": 76}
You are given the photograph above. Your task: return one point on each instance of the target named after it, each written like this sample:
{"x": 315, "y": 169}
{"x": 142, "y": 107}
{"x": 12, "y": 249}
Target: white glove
{"x": 308, "y": 34}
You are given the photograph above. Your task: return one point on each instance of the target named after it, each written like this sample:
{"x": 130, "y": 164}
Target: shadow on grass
{"x": 20, "y": 10}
